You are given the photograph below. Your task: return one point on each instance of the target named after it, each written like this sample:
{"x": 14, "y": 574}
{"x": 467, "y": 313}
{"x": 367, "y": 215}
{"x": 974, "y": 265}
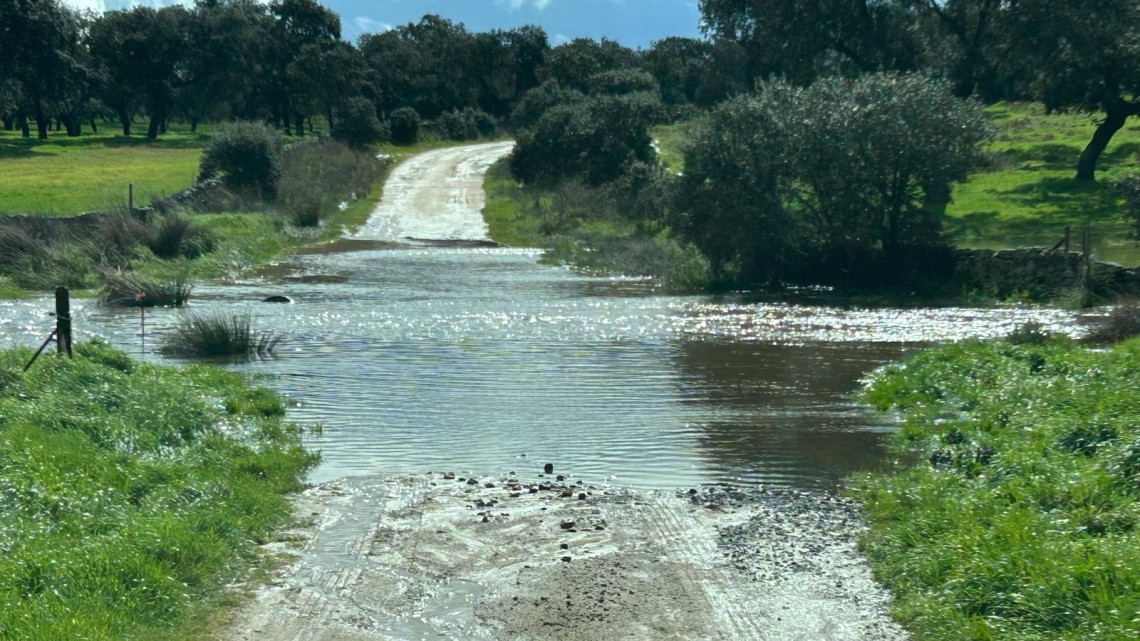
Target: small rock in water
{"x": 565, "y": 559}
{"x": 548, "y": 468}
{"x": 277, "y": 299}
{"x": 581, "y": 496}
{"x": 564, "y": 546}
{"x": 560, "y": 477}
{"x": 566, "y": 525}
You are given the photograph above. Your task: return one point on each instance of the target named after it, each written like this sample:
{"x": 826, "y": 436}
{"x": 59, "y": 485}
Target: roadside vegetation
{"x": 1018, "y": 517}
{"x": 133, "y": 494}
{"x": 218, "y": 335}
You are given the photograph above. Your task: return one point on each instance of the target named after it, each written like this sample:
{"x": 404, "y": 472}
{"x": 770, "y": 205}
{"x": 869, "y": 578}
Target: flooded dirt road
{"x": 461, "y": 556}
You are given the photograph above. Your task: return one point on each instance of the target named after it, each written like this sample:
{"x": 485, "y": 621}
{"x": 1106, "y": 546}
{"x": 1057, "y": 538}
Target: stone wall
{"x": 1041, "y": 273}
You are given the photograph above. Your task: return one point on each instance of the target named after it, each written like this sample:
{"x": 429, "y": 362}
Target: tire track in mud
{"x": 446, "y": 557}
{"x": 692, "y": 545}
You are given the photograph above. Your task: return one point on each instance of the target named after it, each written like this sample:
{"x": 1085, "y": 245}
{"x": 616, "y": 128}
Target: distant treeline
{"x": 825, "y": 135}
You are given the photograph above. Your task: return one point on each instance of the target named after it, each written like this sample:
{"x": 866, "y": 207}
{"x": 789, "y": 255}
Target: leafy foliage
{"x": 839, "y": 172}
{"x": 596, "y": 138}
{"x": 247, "y": 155}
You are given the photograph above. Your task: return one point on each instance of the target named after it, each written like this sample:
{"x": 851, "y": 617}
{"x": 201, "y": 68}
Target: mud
{"x": 444, "y": 556}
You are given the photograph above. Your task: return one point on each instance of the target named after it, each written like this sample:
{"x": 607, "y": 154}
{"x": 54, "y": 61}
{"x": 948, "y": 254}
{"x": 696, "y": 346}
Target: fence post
{"x": 63, "y": 320}
{"x": 131, "y": 199}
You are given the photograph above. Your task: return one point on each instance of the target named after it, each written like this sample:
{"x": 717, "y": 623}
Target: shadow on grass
{"x": 16, "y": 147}
{"x": 1056, "y": 203}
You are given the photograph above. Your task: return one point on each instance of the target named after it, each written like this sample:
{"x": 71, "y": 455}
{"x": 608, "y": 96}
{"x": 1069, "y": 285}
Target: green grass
{"x": 588, "y": 228}
{"x": 1029, "y": 195}
{"x": 132, "y": 493}
{"x": 66, "y": 176}
{"x": 1018, "y": 517}
{"x": 670, "y": 139}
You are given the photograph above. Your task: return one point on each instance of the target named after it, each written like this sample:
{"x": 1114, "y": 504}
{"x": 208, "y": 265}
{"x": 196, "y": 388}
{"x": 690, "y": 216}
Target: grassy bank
{"x": 132, "y": 493}
{"x": 1019, "y": 518}
{"x": 591, "y": 229}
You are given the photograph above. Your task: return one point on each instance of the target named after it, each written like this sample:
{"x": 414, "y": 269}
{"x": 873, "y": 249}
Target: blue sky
{"x": 634, "y": 23}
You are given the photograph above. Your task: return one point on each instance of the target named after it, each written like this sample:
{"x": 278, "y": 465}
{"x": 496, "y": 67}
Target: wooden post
{"x": 131, "y": 199}
{"x": 1086, "y": 251}
{"x": 1067, "y": 239}
{"x": 63, "y": 320}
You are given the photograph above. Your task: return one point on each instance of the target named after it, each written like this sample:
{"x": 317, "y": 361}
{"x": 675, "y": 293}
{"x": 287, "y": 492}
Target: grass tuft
{"x": 132, "y": 289}
{"x": 218, "y": 335}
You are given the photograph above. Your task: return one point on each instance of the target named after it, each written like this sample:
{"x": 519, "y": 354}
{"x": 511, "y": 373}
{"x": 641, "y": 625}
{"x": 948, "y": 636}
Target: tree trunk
{"x": 300, "y": 128}
{"x": 157, "y": 118}
{"x": 94, "y": 127}
{"x": 193, "y": 125}
{"x": 1116, "y": 113}
{"x": 125, "y": 119}
{"x": 74, "y": 125}
{"x": 22, "y": 121}
{"x": 9, "y": 122}
{"x": 42, "y": 122}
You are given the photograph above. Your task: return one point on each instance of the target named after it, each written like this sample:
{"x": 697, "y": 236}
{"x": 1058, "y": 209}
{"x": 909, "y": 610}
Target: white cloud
{"x": 515, "y": 5}
{"x": 368, "y": 25}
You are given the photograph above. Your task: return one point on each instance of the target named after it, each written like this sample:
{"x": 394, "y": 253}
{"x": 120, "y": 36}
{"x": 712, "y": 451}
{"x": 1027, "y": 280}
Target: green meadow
{"x": 1028, "y": 196}
{"x": 66, "y": 176}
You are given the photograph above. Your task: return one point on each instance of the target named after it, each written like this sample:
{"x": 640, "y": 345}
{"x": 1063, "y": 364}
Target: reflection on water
{"x": 482, "y": 360}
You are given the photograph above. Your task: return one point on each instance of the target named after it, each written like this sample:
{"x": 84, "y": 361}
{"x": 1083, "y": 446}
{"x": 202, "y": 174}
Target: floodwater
{"x": 483, "y": 360}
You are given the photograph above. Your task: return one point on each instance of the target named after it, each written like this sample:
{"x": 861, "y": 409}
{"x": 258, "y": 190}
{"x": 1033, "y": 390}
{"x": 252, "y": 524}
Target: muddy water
{"x": 484, "y": 360}
{"x": 406, "y": 356}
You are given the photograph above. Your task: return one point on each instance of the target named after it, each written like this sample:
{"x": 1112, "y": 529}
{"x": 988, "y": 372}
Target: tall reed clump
{"x": 1018, "y": 519}
{"x": 132, "y": 494}
{"x": 316, "y": 177}
{"x": 132, "y": 289}
{"x": 218, "y": 334}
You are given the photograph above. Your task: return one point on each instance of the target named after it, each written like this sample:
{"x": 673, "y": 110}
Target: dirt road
{"x": 450, "y": 557}
{"x": 436, "y": 195}
{"x": 540, "y": 557}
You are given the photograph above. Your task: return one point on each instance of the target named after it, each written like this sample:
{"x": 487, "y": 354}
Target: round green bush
{"x": 247, "y": 156}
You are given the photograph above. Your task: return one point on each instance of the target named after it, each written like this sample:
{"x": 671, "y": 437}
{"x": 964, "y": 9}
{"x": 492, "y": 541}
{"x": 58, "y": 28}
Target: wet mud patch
{"x": 456, "y": 557}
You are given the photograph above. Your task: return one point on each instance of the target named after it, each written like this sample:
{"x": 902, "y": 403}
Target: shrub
{"x": 341, "y": 174}
{"x": 16, "y": 245}
{"x": 131, "y": 289}
{"x": 843, "y": 167}
{"x": 247, "y": 156}
{"x": 405, "y": 126}
{"x": 117, "y": 238}
{"x": 357, "y": 125}
{"x": 218, "y": 334}
{"x": 177, "y": 236}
